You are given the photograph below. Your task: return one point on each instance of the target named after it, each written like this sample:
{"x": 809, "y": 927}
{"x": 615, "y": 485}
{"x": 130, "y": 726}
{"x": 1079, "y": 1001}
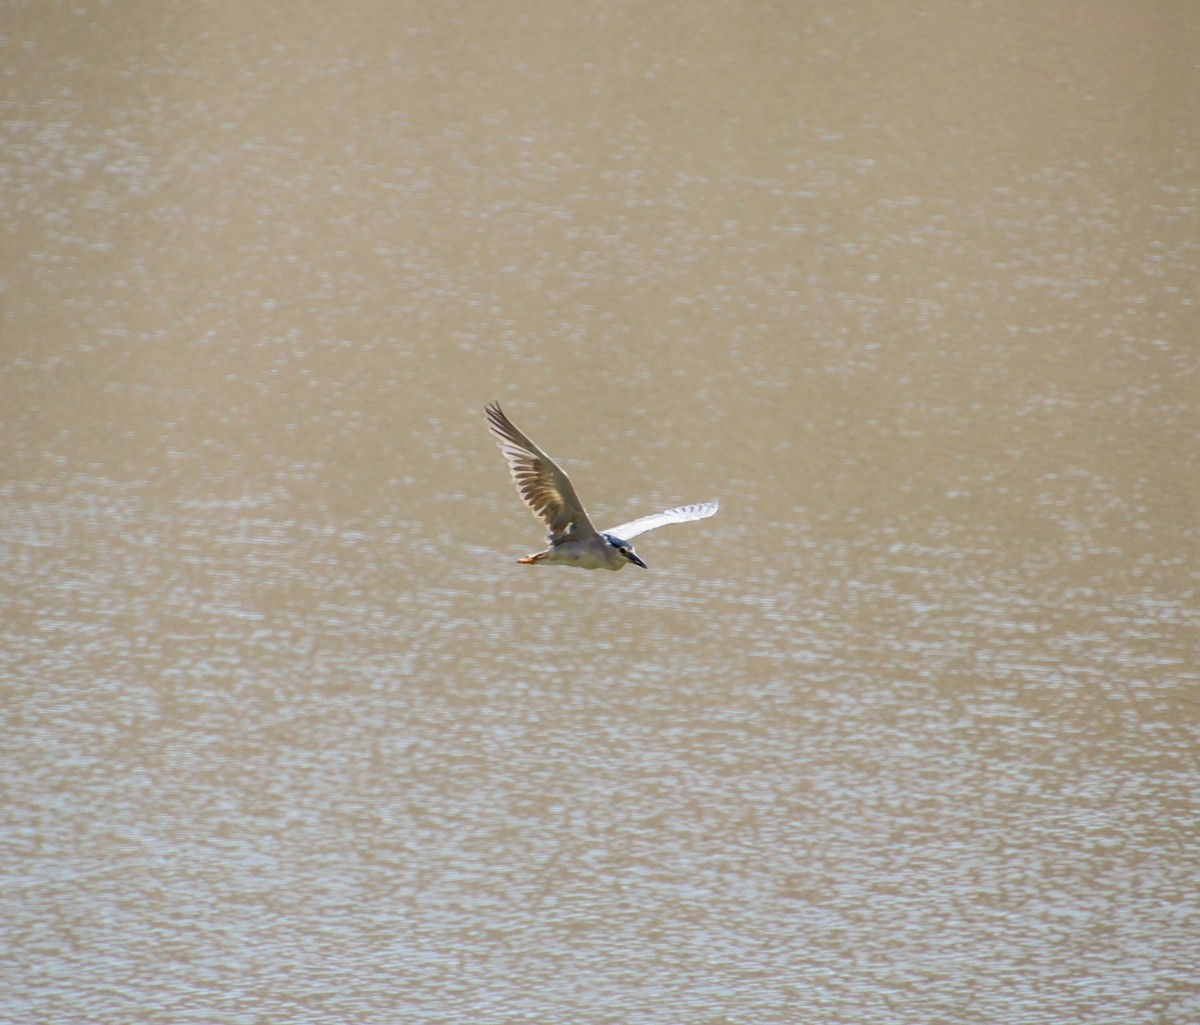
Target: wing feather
{"x": 682, "y": 514}
{"x": 540, "y": 481}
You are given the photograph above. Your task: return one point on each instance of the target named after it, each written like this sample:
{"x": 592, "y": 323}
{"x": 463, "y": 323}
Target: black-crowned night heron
{"x": 548, "y": 492}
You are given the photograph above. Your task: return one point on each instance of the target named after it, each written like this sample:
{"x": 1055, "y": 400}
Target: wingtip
{"x": 495, "y": 414}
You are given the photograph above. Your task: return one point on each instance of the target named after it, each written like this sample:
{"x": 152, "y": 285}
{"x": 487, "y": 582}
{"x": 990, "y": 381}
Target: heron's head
{"x": 625, "y": 548}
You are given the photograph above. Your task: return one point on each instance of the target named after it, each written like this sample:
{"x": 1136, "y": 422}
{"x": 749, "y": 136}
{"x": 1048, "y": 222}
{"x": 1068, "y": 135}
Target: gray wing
{"x": 683, "y": 514}
{"x": 540, "y": 481}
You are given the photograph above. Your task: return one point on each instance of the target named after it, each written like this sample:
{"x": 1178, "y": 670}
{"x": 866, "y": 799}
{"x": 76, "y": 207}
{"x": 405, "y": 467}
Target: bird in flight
{"x": 547, "y": 490}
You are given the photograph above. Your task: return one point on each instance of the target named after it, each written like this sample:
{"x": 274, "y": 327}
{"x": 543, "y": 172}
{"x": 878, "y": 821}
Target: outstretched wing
{"x": 540, "y": 481}
{"x": 683, "y": 514}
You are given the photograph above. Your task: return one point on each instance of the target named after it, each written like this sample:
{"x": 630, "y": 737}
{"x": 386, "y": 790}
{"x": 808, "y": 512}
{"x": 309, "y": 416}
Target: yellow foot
{"x": 529, "y": 560}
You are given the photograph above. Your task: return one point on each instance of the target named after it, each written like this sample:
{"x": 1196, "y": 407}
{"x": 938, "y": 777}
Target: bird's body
{"x": 584, "y": 554}
{"x": 548, "y": 492}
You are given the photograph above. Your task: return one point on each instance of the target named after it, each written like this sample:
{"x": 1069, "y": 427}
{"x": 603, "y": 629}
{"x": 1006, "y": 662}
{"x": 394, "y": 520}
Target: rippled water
{"x": 908, "y": 732}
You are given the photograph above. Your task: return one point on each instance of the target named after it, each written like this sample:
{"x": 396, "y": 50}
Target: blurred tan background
{"x": 908, "y": 732}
